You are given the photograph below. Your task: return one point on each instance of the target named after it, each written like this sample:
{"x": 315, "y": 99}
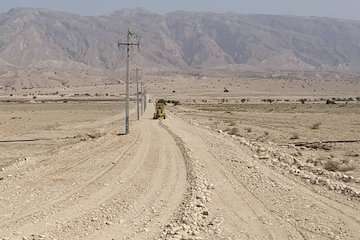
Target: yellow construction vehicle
{"x": 160, "y": 109}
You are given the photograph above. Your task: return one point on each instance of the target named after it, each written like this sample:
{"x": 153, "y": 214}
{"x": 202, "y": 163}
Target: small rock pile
{"x": 34, "y": 237}
{"x": 193, "y": 219}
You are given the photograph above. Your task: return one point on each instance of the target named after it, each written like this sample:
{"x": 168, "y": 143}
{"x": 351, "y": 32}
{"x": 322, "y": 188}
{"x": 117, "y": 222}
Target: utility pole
{"x": 128, "y": 44}
{"x": 142, "y": 97}
{"x": 145, "y": 100}
{"x": 137, "y": 94}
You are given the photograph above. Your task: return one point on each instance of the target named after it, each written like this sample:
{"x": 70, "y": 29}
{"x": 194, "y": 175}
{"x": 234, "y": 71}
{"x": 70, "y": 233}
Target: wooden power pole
{"x": 137, "y": 94}
{"x": 142, "y": 97}
{"x": 130, "y": 42}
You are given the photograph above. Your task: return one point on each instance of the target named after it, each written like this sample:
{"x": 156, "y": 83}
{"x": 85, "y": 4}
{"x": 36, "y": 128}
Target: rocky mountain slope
{"x": 37, "y": 37}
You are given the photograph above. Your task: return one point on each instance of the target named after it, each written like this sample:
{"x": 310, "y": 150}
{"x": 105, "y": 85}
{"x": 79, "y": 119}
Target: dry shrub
{"x": 352, "y": 154}
{"x": 232, "y": 123}
{"x": 347, "y": 167}
{"x": 332, "y": 165}
{"x": 248, "y": 129}
{"x": 234, "y": 131}
{"x": 329, "y": 101}
{"x": 294, "y": 136}
{"x": 316, "y": 126}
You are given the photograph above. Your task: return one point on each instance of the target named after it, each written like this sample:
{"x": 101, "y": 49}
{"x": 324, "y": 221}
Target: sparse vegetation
{"x": 248, "y": 129}
{"x": 303, "y": 100}
{"x": 329, "y": 101}
{"x": 332, "y": 165}
{"x": 268, "y": 100}
{"x": 316, "y": 126}
{"x": 232, "y": 123}
{"x": 294, "y": 136}
{"x": 234, "y": 131}
{"x": 337, "y": 166}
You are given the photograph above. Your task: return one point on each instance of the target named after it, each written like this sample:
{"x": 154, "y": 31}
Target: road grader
{"x": 160, "y": 109}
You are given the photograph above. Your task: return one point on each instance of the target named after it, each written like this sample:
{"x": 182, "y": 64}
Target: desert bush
{"x": 248, "y": 129}
{"x": 294, "y": 136}
{"x": 232, "y": 123}
{"x": 358, "y": 99}
{"x": 328, "y": 101}
{"x": 270, "y": 101}
{"x": 352, "y": 154}
{"x": 316, "y": 126}
{"x": 226, "y": 90}
{"x": 303, "y": 100}
{"x": 234, "y": 131}
{"x": 346, "y": 167}
{"x": 332, "y": 165}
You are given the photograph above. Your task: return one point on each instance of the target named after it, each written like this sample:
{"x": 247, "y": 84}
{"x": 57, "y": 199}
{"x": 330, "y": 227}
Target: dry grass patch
{"x": 294, "y": 136}
{"x": 248, "y": 129}
{"x": 234, "y": 131}
{"x": 316, "y": 126}
{"x": 336, "y": 166}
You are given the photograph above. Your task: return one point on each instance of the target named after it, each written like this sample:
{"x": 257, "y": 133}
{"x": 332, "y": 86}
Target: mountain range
{"x": 40, "y": 38}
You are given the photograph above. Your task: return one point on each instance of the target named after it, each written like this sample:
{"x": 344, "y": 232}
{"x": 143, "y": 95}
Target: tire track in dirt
{"x": 280, "y": 200}
{"x": 131, "y": 199}
{"x": 49, "y": 206}
{"x": 58, "y": 165}
{"x": 191, "y": 220}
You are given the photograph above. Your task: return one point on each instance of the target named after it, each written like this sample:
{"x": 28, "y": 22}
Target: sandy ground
{"x": 287, "y": 123}
{"x": 172, "y": 179}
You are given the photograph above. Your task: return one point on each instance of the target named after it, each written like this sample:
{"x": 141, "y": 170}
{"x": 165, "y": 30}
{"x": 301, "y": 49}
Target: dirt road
{"x": 166, "y": 180}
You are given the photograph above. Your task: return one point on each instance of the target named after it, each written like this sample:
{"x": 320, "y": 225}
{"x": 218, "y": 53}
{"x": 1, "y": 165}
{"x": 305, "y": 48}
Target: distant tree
{"x": 303, "y": 100}
{"x": 330, "y": 102}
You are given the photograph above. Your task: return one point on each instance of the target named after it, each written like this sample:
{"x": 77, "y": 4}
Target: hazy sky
{"x": 330, "y": 8}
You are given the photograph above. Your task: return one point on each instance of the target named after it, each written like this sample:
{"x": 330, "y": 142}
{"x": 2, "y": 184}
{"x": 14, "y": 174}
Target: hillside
{"x": 29, "y": 37}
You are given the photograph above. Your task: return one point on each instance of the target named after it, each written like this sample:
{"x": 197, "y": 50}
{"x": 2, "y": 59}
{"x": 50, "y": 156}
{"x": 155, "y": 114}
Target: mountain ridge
{"x": 180, "y": 40}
